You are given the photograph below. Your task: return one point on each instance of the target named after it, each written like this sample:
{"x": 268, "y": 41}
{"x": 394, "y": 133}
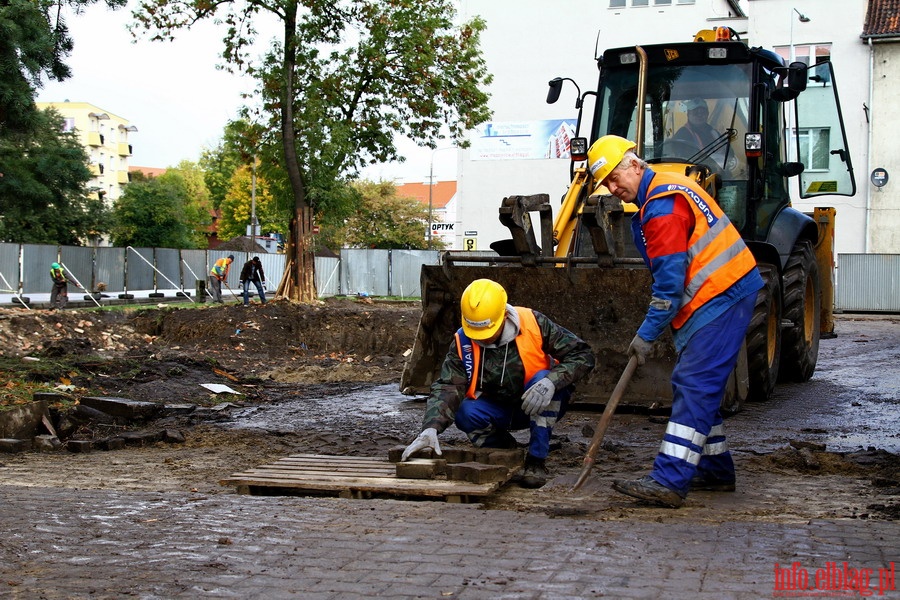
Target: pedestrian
{"x": 217, "y": 275}
{"x": 705, "y": 284}
{"x": 59, "y": 293}
{"x": 253, "y": 271}
{"x": 508, "y": 368}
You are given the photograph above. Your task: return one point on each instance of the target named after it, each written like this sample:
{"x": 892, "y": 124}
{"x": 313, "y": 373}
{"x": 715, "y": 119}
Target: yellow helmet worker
{"x": 606, "y": 153}
{"x": 483, "y": 307}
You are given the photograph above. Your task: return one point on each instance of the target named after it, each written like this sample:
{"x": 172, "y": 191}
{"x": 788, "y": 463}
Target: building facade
{"x": 106, "y": 139}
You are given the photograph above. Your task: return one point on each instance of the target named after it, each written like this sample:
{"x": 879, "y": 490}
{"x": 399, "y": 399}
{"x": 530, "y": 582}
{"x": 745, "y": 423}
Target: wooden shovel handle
{"x": 605, "y": 418}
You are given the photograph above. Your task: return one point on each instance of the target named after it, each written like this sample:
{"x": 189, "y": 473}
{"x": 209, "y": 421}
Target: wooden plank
{"x": 351, "y": 477}
{"x": 384, "y": 485}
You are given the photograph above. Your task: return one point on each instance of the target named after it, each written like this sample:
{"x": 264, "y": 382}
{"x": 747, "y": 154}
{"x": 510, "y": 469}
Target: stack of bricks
{"x": 474, "y": 465}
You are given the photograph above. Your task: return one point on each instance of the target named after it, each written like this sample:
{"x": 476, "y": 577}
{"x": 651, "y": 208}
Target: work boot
{"x": 504, "y": 441}
{"x": 701, "y": 483}
{"x": 649, "y": 490}
{"x": 535, "y": 473}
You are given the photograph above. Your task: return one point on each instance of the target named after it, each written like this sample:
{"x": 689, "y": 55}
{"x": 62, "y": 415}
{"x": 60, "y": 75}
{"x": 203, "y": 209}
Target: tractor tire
{"x": 738, "y": 387}
{"x": 802, "y": 309}
{"x": 764, "y": 336}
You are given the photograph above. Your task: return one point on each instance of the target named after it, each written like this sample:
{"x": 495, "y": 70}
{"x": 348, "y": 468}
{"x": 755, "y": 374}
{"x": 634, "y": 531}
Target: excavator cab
{"x": 714, "y": 110}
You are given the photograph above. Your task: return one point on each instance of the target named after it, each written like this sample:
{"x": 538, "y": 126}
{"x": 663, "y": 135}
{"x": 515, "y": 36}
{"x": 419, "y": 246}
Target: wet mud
{"x": 325, "y": 380}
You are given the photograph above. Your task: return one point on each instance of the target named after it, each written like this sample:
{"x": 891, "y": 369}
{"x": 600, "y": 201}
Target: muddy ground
{"x": 324, "y": 379}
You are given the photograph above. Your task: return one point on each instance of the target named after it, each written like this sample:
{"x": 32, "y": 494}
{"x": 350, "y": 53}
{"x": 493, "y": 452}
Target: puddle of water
{"x": 373, "y": 403}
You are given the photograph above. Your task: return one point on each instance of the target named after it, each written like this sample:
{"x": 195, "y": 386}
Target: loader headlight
{"x": 717, "y": 53}
{"x": 628, "y": 58}
{"x": 753, "y": 144}
{"x": 578, "y": 148}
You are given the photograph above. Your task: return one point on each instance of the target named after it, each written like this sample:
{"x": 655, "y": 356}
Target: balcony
{"x": 96, "y": 170}
{"x": 123, "y": 177}
{"x": 94, "y": 138}
{"x": 124, "y": 149}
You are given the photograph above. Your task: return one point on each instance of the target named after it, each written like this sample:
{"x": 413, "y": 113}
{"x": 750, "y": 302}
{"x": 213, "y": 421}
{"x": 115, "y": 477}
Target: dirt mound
{"x": 163, "y": 354}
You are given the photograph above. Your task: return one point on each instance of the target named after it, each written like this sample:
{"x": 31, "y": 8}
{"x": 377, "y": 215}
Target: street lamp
{"x": 803, "y": 19}
{"x": 431, "y": 190}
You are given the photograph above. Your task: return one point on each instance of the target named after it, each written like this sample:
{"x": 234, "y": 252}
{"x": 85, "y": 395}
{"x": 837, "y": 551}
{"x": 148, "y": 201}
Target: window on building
{"x": 640, "y": 2}
{"x": 810, "y": 55}
{"x": 68, "y": 124}
{"x": 814, "y": 148}
{"x": 662, "y": 2}
{"x": 685, "y": 1}
{"x": 617, "y": 3}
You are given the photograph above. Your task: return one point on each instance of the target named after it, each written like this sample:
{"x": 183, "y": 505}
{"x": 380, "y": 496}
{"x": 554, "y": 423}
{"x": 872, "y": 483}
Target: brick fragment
{"x": 476, "y": 472}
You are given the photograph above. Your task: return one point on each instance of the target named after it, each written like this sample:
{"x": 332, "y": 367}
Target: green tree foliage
{"x": 238, "y": 203}
{"x": 43, "y": 193}
{"x": 384, "y": 219}
{"x": 34, "y": 42}
{"x": 346, "y": 78}
{"x": 220, "y": 163}
{"x": 156, "y": 213}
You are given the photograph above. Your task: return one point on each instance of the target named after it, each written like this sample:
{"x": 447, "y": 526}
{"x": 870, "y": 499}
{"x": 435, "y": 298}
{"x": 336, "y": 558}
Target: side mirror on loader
{"x": 793, "y": 84}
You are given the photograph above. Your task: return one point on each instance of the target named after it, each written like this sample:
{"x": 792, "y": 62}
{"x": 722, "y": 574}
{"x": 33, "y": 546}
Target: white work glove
{"x": 640, "y": 348}
{"x": 537, "y": 398}
{"x": 426, "y": 439}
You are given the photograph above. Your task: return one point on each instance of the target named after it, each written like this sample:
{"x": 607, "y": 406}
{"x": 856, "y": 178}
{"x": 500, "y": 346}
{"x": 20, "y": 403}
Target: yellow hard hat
{"x": 606, "y": 153}
{"x": 483, "y": 307}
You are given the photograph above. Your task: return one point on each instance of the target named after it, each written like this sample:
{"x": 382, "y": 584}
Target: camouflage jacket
{"x": 503, "y": 374}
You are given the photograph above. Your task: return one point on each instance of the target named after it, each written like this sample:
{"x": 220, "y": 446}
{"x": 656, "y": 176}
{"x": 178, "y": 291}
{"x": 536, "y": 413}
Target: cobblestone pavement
{"x": 112, "y": 544}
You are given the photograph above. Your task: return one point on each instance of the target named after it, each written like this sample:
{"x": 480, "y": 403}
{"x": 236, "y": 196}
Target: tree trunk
{"x": 298, "y": 281}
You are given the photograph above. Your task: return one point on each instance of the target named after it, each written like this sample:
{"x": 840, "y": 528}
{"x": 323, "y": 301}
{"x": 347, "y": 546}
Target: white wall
{"x": 840, "y": 23}
{"x": 529, "y": 42}
{"x": 884, "y": 216}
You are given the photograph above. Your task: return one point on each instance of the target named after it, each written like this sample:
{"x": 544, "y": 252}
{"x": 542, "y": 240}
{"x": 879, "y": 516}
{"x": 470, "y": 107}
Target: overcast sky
{"x": 175, "y": 96}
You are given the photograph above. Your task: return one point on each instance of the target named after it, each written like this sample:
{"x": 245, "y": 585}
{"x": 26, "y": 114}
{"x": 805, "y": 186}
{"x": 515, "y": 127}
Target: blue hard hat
{"x": 55, "y": 266}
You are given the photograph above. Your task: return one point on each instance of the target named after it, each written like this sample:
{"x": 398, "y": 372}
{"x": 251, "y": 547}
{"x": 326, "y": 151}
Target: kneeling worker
{"x": 508, "y": 368}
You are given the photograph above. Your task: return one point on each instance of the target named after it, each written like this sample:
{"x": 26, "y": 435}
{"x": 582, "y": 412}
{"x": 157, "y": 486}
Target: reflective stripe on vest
{"x": 717, "y": 256}
{"x": 529, "y": 343}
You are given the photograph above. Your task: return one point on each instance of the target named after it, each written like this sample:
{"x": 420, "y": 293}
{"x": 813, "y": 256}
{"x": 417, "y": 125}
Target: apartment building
{"x": 106, "y": 139}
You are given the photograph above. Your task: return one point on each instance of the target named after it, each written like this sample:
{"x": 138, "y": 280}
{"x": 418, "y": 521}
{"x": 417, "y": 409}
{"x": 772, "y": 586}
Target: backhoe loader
{"x": 580, "y": 267}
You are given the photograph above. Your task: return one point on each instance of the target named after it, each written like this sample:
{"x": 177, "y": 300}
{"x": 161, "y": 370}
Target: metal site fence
{"x": 160, "y": 272}
{"x": 863, "y": 282}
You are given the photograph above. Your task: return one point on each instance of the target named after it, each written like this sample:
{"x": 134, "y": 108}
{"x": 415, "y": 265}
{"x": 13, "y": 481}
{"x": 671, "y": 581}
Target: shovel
{"x": 605, "y": 418}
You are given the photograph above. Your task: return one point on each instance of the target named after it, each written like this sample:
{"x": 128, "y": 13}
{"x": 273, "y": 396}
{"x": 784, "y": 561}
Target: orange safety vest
{"x": 220, "y": 268}
{"x": 717, "y": 256}
{"x": 529, "y": 343}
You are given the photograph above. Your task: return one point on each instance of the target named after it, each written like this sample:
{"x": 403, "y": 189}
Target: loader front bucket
{"x": 603, "y": 306}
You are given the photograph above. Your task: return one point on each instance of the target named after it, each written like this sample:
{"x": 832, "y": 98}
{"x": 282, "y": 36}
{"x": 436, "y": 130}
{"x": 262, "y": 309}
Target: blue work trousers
{"x": 487, "y": 422}
{"x": 694, "y": 442}
{"x": 259, "y": 288}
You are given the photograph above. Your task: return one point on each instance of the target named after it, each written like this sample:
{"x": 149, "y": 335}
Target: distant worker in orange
{"x": 217, "y": 275}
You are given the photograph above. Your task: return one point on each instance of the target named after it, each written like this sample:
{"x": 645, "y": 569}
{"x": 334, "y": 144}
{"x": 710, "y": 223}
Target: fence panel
{"x": 9, "y": 268}
{"x": 868, "y": 282}
{"x": 168, "y": 262}
{"x": 406, "y": 269}
{"x": 193, "y": 268}
{"x": 36, "y": 260}
{"x": 109, "y": 268}
{"x": 273, "y": 267}
{"x": 328, "y": 276}
{"x": 138, "y": 274}
{"x": 365, "y": 271}
{"x": 79, "y": 262}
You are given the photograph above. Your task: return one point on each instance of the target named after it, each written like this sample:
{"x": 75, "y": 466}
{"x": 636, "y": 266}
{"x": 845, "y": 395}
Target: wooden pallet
{"x": 350, "y": 477}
